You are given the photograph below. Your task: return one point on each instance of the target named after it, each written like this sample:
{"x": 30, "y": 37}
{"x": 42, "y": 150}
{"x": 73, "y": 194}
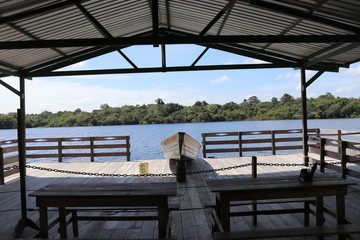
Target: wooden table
{"x": 103, "y": 195}
{"x": 228, "y": 190}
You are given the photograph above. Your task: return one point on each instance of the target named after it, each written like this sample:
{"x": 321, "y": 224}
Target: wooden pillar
{"x": 304, "y": 116}
{"x": 22, "y": 146}
{"x": 24, "y": 221}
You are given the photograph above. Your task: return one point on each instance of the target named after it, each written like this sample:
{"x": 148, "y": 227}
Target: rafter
{"x": 332, "y": 54}
{"x": 297, "y": 13}
{"x": 32, "y": 36}
{"x": 37, "y": 11}
{"x": 102, "y": 30}
{"x": 226, "y": 9}
{"x": 155, "y": 19}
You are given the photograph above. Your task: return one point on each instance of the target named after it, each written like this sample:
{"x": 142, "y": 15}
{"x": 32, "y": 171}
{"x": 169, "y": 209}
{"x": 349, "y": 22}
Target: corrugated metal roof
{"x": 34, "y": 21}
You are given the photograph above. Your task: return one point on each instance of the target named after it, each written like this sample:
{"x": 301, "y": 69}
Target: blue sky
{"x": 89, "y": 92}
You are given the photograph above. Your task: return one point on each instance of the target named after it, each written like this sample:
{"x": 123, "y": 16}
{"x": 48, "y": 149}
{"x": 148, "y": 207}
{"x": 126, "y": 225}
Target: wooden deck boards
{"x": 192, "y": 221}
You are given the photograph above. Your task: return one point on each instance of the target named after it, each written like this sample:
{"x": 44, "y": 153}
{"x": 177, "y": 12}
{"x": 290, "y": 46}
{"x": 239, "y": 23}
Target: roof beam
{"x": 37, "y": 11}
{"x": 296, "y": 13}
{"x": 155, "y": 19}
{"x": 179, "y": 40}
{"x": 102, "y": 30}
{"x": 161, "y": 69}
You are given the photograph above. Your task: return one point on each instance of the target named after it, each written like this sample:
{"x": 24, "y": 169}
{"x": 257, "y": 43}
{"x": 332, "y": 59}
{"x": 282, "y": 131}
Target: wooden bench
{"x": 290, "y": 232}
{"x": 75, "y": 217}
{"x": 254, "y": 212}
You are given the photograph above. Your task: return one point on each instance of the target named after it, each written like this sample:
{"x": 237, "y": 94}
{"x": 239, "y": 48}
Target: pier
{"x": 191, "y": 220}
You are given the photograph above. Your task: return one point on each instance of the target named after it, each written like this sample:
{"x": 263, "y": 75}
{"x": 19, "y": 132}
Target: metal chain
{"x": 167, "y": 174}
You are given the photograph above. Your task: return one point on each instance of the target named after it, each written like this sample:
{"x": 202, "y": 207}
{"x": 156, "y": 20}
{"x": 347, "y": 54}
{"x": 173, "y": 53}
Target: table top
{"x": 108, "y": 189}
{"x": 278, "y": 183}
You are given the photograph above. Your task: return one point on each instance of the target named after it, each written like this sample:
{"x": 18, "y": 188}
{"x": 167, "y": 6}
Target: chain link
{"x": 167, "y": 174}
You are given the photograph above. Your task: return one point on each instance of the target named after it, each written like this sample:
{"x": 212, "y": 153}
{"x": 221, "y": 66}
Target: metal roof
{"x": 38, "y": 37}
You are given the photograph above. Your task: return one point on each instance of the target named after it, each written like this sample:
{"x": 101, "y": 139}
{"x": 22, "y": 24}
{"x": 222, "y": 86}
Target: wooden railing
{"x": 61, "y": 148}
{"x": 8, "y": 156}
{"x": 253, "y": 141}
{"x": 346, "y": 152}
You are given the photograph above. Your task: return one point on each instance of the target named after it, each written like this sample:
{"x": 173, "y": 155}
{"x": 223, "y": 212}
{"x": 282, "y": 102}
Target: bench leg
{"x": 62, "y": 222}
{"x": 43, "y": 222}
{"x": 163, "y": 215}
{"x": 254, "y": 209}
{"x": 74, "y": 222}
{"x": 306, "y": 214}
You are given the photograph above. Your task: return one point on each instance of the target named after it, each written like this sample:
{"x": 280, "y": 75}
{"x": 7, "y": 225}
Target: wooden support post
{"x": 60, "y": 150}
{"x": 24, "y": 221}
{"x": 2, "y": 177}
{"x": 304, "y": 116}
{"x": 322, "y": 154}
{"x": 240, "y": 144}
{"x": 204, "y": 145}
{"x": 254, "y": 175}
{"x": 273, "y": 145}
{"x": 342, "y": 145}
{"x": 92, "y": 149}
{"x": 128, "y": 148}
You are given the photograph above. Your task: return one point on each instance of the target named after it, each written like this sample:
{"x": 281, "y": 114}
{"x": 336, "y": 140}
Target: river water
{"x": 145, "y": 139}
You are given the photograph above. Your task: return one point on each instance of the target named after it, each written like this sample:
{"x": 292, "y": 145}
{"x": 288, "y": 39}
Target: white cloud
{"x": 253, "y": 61}
{"x": 354, "y": 86}
{"x": 77, "y": 66}
{"x": 222, "y": 79}
{"x": 353, "y": 71}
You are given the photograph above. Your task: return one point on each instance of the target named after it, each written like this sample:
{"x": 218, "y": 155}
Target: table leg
{"x": 163, "y": 215}
{"x": 225, "y": 214}
{"x": 43, "y": 222}
{"x": 340, "y": 212}
{"x": 62, "y": 223}
{"x": 319, "y": 211}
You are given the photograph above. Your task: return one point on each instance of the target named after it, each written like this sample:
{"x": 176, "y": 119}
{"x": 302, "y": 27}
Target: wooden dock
{"x": 191, "y": 221}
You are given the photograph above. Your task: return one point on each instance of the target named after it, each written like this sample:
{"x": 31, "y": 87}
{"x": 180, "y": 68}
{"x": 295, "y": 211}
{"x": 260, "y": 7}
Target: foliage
{"x": 287, "y": 107}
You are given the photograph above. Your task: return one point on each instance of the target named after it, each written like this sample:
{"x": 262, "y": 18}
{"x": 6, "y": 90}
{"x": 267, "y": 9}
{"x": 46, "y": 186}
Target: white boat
{"x": 180, "y": 146}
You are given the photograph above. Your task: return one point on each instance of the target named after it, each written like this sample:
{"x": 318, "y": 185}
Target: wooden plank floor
{"x": 192, "y": 221}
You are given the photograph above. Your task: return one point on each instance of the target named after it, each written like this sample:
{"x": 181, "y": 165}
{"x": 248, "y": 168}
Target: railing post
{"x": 2, "y": 177}
{"x": 342, "y": 145}
{"x": 240, "y": 144}
{"x": 128, "y": 148}
{"x": 60, "y": 149}
{"x": 322, "y": 154}
{"x": 273, "y": 146}
{"x": 254, "y": 166}
{"x": 92, "y": 149}
{"x": 204, "y": 145}
{"x": 339, "y": 139}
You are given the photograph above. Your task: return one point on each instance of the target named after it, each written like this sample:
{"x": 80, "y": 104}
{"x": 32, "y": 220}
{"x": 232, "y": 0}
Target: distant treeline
{"x": 287, "y": 107}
